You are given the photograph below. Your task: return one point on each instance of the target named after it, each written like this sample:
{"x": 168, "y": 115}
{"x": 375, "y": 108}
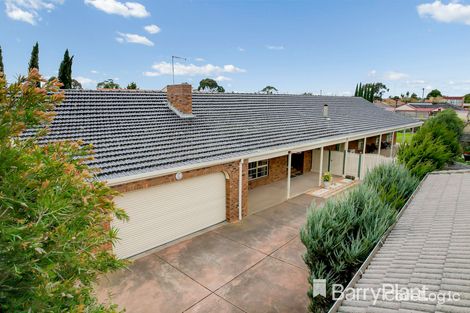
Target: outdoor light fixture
{"x": 179, "y": 176}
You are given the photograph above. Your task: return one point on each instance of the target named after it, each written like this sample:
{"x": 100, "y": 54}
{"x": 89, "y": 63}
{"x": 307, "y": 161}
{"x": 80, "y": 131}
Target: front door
{"x": 297, "y": 164}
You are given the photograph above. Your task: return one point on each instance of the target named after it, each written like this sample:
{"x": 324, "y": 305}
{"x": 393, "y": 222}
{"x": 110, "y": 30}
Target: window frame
{"x": 260, "y": 169}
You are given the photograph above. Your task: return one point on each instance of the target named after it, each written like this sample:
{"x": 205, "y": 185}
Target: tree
{"x": 108, "y": 84}
{"x": 371, "y": 91}
{"x": 434, "y": 93}
{"x": 34, "y": 60}
{"x": 65, "y": 71}
{"x": 269, "y": 90}
{"x": 467, "y": 98}
{"x": 76, "y": 84}
{"x": 132, "y": 85}
{"x": 210, "y": 85}
{"x": 54, "y": 216}
{"x": 2, "y": 70}
{"x": 414, "y": 96}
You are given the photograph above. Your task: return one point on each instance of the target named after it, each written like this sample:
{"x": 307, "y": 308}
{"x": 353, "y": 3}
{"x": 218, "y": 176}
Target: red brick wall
{"x": 307, "y": 161}
{"x": 277, "y": 171}
{"x": 180, "y": 97}
{"x": 231, "y": 171}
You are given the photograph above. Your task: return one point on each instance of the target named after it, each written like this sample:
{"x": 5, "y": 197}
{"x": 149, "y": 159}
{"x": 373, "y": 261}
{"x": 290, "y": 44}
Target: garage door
{"x": 167, "y": 212}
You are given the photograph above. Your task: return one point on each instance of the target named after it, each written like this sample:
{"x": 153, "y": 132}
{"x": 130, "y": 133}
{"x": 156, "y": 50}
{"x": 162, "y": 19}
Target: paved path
{"x": 251, "y": 266}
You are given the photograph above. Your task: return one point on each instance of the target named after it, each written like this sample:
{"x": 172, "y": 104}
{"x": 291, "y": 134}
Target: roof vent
{"x": 325, "y": 111}
{"x": 180, "y": 99}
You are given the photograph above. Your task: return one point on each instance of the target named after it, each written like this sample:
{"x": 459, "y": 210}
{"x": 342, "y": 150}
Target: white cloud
{"x": 372, "y": 73}
{"x": 241, "y": 49}
{"x": 221, "y": 78}
{"x": 85, "y": 81}
{"x": 453, "y": 12}
{"x": 164, "y": 68}
{"x": 126, "y": 9}
{"x": 199, "y": 59}
{"x": 269, "y": 47}
{"x": 28, "y": 10}
{"x": 152, "y": 29}
{"x": 134, "y": 38}
{"x": 395, "y": 75}
{"x": 94, "y": 72}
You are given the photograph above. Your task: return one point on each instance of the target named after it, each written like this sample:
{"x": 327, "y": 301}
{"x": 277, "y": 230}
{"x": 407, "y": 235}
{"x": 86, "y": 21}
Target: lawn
{"x": 407, "y": 137}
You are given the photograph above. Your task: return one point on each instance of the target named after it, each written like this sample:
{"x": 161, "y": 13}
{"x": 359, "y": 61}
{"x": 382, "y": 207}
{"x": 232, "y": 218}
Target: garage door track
{"x": 252, "y": 266}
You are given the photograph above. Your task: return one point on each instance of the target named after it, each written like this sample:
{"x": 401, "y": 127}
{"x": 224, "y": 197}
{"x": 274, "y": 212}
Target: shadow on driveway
{"x": 252, "y": 266}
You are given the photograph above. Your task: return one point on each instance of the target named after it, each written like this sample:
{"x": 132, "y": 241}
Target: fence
{"x": 356, "y": 165}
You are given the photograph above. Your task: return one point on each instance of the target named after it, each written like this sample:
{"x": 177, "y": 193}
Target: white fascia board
{"x": 258, "y": 155}
{"x": 268, "y": 156}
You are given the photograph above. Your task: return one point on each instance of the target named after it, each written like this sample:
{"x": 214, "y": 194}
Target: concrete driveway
{"x": 252, "y": 266}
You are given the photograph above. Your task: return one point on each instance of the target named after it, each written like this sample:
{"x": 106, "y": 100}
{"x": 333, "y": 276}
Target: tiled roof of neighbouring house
{"x": 135, "y": 131}
{"x": 433, "y": 106}
{"x": 429, "y": 246}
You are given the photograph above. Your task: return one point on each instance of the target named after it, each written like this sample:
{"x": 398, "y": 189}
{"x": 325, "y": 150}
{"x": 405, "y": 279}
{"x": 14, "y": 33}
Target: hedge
{"x": 339, "y": 237}
{"x": 434, "y": 145}
{"x": 393, "y": 183}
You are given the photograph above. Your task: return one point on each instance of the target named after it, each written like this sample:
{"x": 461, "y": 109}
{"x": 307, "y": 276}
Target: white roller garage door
{"x": 167, "y": 212}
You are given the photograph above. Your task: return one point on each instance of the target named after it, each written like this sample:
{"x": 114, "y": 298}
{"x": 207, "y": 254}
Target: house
{"x": 185, "y": 161}
{"x": 424, "y": 110}
{"x": 422, "y": 263}
{"x": 457, "y": 101}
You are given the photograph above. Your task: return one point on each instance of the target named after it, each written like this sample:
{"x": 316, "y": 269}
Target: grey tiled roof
{"x": 135, "y": 131}
{"x": 429, "y": 245}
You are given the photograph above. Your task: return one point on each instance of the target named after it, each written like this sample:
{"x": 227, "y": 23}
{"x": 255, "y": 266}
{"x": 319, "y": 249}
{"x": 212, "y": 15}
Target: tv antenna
{"x": 173, "y": 57}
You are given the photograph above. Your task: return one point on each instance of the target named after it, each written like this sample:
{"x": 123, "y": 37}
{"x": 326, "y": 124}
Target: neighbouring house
{"x": 424, "y": 110}
{"x": 422, "y": 264}
{"x": 185, "y": 161}
{"x": 457, "y": 101}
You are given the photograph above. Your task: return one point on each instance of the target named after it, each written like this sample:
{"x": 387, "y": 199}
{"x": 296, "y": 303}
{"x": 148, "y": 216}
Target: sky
{"x": 296, "y": 46}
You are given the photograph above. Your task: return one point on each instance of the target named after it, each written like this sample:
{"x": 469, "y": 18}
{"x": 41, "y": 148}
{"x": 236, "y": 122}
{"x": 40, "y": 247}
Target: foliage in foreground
{"x": 53, "y": 217}
{"x": 393, "y": 183}
{"x": 339, "y": 237}
{"x": 434, "y": 145}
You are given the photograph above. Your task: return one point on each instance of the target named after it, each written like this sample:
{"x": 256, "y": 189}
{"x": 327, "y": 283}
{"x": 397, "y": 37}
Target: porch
{"x": 266, "y": 196}
{"x": 276, "y": 178}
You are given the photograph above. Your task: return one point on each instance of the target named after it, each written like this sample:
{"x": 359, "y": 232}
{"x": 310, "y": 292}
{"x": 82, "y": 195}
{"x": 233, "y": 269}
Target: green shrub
{"x": 339, "y": 237}
{"x": 53, "y": 216}
{"x": 393, "y": 182}
{"x": 434, "y": 145}
{"x": 425, "y": 155}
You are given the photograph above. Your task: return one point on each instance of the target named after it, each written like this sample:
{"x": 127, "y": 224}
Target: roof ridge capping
{"x": 180, "y": 99}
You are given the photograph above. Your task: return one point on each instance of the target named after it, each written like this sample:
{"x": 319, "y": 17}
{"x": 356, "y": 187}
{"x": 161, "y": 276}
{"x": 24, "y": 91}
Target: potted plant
{"x": 326, "y": 178}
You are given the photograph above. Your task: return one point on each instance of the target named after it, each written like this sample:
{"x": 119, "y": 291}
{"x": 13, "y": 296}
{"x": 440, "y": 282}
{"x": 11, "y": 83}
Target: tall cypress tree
{"x": 34, "y": 61}
{"x": 360, "y": 91}
{"x": 65, "y": 71}
{"x": 355, "y": 92}
{"x": 2, "y": 70}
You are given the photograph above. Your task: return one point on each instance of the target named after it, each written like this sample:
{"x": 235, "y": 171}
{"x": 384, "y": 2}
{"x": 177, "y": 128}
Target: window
{"x": 257, "y": 169}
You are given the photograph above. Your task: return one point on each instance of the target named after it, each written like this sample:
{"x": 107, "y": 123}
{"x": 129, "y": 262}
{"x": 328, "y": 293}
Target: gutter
{"x": 294, "y": 148}
{"x": 379, "y": 245}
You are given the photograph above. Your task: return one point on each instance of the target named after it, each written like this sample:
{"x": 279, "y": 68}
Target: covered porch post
{"x": 345, "y": 161}
{"x": 320, "y": 170}
{"x": 391, "y": 148}
{"x": 380, "y": 144}
{"x": 361, "y": 164}
{"x": 289, "y": 164}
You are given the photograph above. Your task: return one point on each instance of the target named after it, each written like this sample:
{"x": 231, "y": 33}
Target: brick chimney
{"x": 180, "y": 99}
